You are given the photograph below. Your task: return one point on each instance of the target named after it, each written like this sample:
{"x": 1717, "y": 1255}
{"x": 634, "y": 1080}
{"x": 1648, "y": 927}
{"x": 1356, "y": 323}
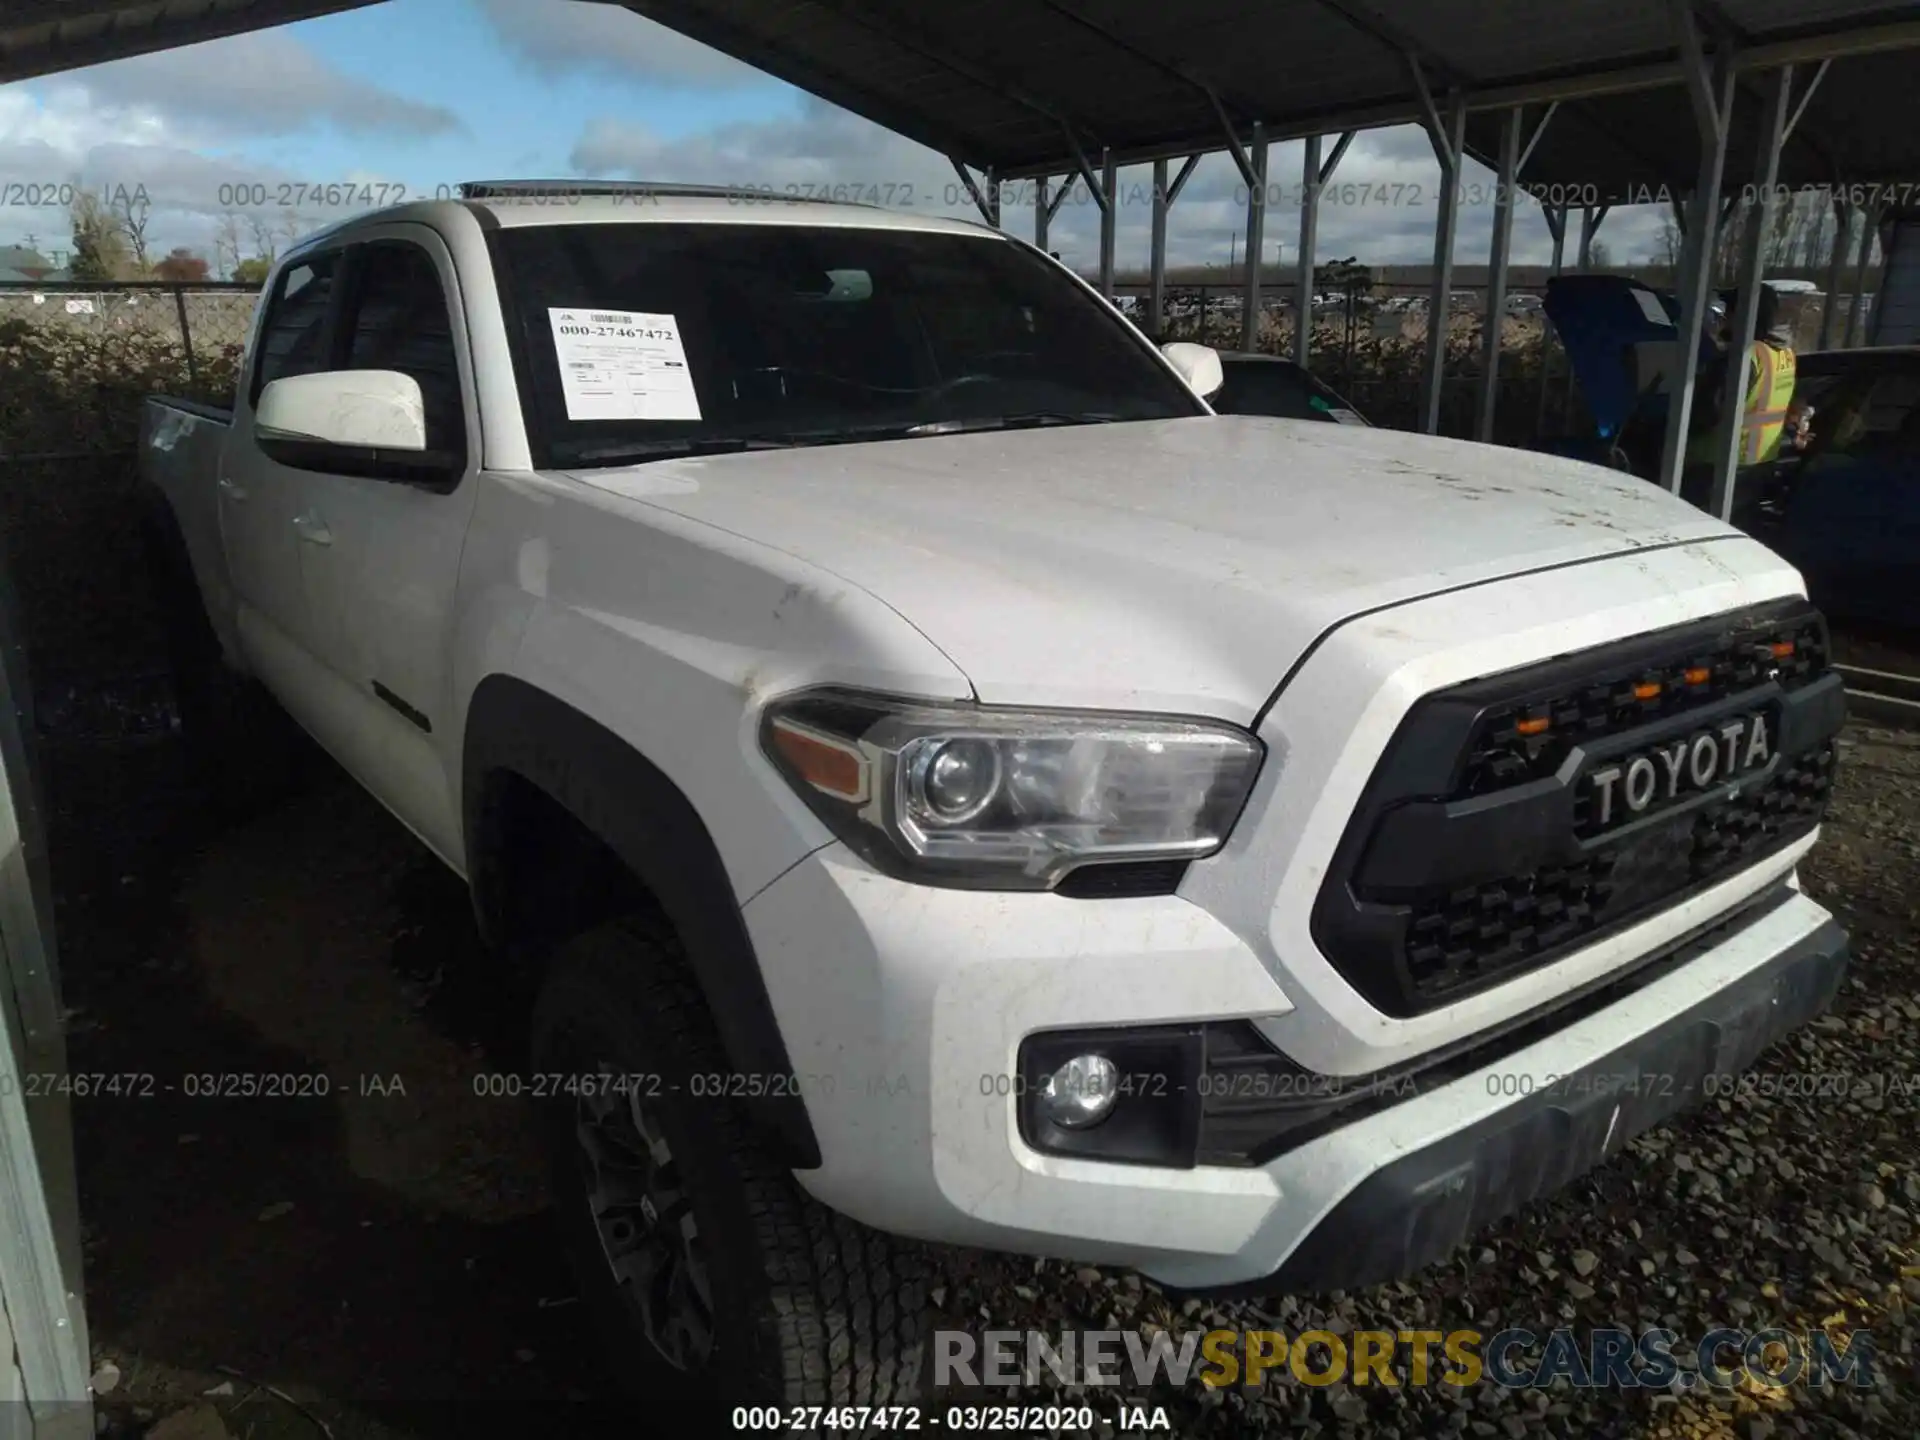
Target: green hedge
{"x": 64, "y": 390}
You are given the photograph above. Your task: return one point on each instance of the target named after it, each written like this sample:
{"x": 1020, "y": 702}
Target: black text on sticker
{"x": 1698, "y": 762}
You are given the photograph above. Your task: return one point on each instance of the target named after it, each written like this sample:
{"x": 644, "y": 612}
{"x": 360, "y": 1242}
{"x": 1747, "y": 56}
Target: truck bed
{"x": 180, "y": 450}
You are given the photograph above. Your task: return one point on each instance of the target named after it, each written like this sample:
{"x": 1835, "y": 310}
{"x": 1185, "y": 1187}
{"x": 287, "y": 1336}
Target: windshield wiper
{"x": 643, "y": 450}
{"x": 1025, "y": 420}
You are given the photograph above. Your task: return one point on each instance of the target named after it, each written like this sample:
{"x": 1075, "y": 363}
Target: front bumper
{"x": 905, "y": 1008}
{"x": 1418, "y": 1207}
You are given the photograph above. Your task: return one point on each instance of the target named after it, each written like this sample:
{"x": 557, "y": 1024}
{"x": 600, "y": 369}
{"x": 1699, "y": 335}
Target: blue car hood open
{"x": 1599, "y": 318}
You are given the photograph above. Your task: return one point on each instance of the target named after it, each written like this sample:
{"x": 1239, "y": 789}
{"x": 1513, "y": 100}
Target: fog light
{"x": 1081, "y": 1092}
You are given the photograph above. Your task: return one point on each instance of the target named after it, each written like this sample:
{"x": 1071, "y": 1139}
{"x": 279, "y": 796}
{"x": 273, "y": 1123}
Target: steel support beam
{"x": 1332, "y": 162}
{"x": 1157, "y": 255}
{"x": 1556, "y": 218}
{"x": 1591, "y": 218}
{"x": 1502, "y": 246}
{"x": 1241, "y": 161}
{"x": 1164, "y": 195}
{"x": 1042, "y": 212}
{"x": 1869, "y": 228}
{"x": 1836, "y": 267}
{"x": 1109, "y": 219}
{"x": 1539, "y": 129}
{"x": 1314, "y": 174}
{"x": 1256, "y": 243}
{"x": 1303, "y": 257}
{"x": 987, "y": 200}
{"x": 1710, "y": 87}
{"x": 1753, "y": 252}
{"x": 1448, "y": 135}
{"x": 1800, "y": 106}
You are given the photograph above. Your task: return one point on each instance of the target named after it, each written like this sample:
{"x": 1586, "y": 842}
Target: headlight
{"x": 984, "y": 798}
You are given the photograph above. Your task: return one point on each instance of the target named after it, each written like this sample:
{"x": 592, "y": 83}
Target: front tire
{"x": 700, "y": 1256}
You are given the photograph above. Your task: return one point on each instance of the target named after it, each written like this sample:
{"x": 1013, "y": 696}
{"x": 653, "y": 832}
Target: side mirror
{"x": 354, "y": 409}
{"x": 1199, "y": 366}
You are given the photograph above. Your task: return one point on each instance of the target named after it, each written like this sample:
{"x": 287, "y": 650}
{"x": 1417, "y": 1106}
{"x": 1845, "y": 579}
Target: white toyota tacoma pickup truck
{"x": 943, "y": 783}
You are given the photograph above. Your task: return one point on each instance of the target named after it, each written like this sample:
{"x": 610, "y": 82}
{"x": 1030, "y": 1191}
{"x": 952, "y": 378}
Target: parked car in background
{"x": 1846, "y": 509}
{"x": 1269, "y": 385}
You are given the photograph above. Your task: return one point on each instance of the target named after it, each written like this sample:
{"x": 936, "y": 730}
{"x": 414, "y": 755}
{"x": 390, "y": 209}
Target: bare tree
{"x": 227, "y": 243}
{"x": 131, "y": 211}
{"x": 292, "y": 226}
{"x": 1671, "y": 244}
{"x": 265, "y": 245}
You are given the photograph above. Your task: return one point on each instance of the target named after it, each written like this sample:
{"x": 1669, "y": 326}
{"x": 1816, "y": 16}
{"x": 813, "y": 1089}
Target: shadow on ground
{"x": 305, "y": 1176}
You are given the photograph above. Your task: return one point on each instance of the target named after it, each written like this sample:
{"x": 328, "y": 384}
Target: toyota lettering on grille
{"x": 1631, "y": 786}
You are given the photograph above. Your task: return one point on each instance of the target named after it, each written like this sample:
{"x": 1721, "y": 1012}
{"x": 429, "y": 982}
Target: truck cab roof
{"x": 516, "y": 204}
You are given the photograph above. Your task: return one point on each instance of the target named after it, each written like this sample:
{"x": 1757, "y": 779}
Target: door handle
{"x": 312, "y": 529}
{"x": 231, "y": 490}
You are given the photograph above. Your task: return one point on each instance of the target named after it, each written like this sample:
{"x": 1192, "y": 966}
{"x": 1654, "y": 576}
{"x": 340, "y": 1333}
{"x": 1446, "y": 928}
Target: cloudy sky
{"x": 405, "y": 97}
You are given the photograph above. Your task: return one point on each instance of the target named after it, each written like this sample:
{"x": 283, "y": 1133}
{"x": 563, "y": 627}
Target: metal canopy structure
{"x": 1589, "y": 97}
{"x": 1026, "y": 88}
{"x": 1583, "y": 105}
{"x": 40, "y": 37}
{"x": 1860, "y": 128}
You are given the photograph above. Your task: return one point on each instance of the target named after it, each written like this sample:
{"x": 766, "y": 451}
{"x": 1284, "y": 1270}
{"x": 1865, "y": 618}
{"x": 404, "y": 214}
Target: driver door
{"x": 256, "y": 492}
{"x": 379, "y": 552}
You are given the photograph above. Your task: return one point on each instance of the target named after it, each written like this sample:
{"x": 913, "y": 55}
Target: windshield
{"x": 648, "y": 340}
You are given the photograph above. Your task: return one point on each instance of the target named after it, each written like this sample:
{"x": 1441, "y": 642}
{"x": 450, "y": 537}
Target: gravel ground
{"x": 1774, "y": 1207}
{"x": 385, "y": 1264}
{"x": 412, "y": 1291}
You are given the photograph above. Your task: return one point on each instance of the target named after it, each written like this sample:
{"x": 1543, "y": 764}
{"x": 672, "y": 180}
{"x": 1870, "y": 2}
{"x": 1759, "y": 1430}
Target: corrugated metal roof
{"x": 40, "y": 37}
{"x": 1026, "y": 86}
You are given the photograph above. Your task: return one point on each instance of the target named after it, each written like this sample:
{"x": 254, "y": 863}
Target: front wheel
{"x": 699, "y": 1255}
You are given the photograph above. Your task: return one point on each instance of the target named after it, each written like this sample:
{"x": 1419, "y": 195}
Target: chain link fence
{"x": 1370, "y": 343}
{"x": 77, "y": 360}
{"x": 76, "y": 363}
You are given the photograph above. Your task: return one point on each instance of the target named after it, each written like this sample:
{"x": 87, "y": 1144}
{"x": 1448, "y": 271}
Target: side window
{"x": 1893, "y": 404}
{"x": 1873, "y": 415}
{"x": 398, "y": 320}
{"x": 293, "y": 341}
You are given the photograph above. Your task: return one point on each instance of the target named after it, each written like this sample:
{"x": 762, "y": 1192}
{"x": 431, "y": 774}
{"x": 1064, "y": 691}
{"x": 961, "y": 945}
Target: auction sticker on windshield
{"x": 622, "y": 365}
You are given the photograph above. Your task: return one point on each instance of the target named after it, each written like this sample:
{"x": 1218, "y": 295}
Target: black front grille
{"x": 1635, "y": 693}
{"x": 1476, "y": 853}
{"x": 1481, "y": 934}
{"x": 1482, "y": 930}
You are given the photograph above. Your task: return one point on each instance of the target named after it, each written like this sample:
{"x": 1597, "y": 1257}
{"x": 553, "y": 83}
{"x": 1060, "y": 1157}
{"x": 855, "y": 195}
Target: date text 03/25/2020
{"x": 985, "y": 1419}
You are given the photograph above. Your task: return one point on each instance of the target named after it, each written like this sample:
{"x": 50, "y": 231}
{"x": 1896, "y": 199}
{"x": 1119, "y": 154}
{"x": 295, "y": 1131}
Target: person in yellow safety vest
{"x": 1771, "y": 371}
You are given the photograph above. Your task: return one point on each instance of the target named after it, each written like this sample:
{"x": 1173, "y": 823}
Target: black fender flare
{"x": 624, "y": 800}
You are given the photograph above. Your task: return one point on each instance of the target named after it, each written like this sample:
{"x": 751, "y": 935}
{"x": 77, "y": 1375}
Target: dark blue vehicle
{"x": 1622, "y": 341}
{"x": 1846, "y": 510}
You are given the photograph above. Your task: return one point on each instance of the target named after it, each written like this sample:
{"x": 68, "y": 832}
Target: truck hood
{"x": 1177, "y": 565}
